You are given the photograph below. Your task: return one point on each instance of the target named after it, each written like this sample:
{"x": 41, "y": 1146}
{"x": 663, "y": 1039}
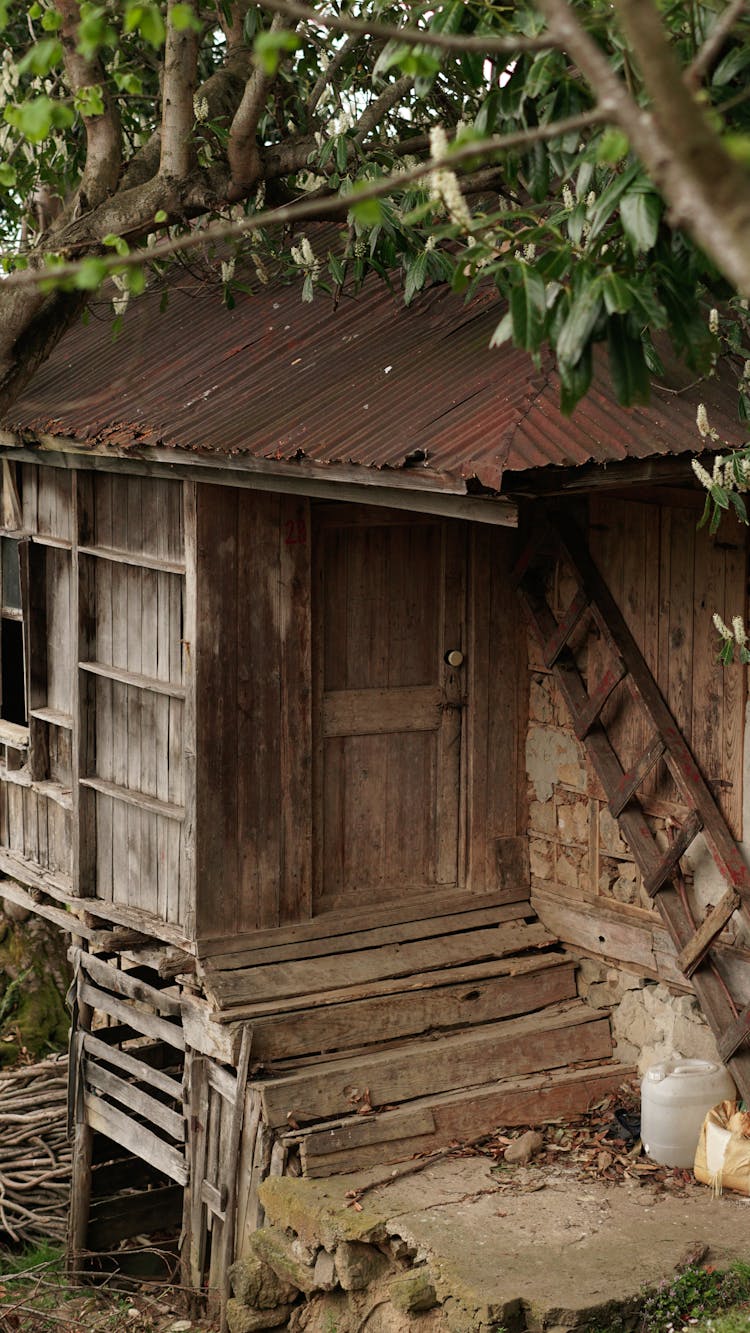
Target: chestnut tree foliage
{"x": 589, "y": 158}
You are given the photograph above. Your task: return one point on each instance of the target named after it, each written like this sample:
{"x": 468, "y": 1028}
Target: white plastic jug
{"x": 675, "y": 1096}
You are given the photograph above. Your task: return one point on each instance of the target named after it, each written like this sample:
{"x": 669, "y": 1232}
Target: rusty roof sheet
{"x": 368, "y": 383}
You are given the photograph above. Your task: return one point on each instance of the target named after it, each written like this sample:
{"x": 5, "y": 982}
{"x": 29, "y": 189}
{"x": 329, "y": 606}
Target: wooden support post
{"x": 229, "y": 1162}
{"x": 718, "y": 917}
{"x": 83, "y": 1137}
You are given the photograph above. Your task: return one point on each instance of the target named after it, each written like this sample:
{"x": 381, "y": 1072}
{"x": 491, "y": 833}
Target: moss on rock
{"x": 34, "y": 977}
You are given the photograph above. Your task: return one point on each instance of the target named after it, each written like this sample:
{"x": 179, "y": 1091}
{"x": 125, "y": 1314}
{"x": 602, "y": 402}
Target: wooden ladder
{"x": 594, "y": 608}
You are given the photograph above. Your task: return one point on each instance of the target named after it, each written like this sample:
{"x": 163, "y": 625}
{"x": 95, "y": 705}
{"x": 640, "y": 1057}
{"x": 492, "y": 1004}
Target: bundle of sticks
{"x": 35, "y": 1153}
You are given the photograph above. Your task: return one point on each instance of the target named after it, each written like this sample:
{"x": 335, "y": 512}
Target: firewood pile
{"x": 35, "y": 1153}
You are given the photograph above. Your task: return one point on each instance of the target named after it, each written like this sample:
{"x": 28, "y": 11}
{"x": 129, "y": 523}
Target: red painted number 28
{"x": 296, "y": 532}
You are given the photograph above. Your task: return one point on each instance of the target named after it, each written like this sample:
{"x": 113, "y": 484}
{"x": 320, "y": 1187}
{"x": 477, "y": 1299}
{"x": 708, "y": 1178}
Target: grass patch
{"x": 690, "y": 1299}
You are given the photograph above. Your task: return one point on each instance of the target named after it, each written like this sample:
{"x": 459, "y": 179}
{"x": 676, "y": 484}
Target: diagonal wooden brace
{"x": 659, "y": 876}
{"x": 716, "y": 919}
{"x": 588, "y": 716}
{"x": 631, "y": 781}
{"x": 557, "y": 641}
{"x": 735, "y": 1035}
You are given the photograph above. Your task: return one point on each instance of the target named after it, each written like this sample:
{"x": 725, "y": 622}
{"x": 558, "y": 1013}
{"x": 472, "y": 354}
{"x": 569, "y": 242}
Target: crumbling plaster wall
{"x": 587, "y": 888}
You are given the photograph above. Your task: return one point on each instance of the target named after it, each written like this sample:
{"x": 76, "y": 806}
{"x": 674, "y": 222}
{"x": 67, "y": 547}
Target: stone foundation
{"x": 649, "y": 1021}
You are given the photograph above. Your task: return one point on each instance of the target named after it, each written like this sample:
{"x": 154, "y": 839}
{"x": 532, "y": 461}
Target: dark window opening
{"x": 12, "y": 664}
{"x": 13, "y": 683}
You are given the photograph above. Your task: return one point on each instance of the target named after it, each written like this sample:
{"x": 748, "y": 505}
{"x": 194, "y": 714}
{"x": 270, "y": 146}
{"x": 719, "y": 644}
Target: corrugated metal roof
{"x": 369, "y": 383}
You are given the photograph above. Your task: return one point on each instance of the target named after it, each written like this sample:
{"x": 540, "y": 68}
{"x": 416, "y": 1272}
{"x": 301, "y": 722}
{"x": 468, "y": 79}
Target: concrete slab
{"x": 533, "y": 1248}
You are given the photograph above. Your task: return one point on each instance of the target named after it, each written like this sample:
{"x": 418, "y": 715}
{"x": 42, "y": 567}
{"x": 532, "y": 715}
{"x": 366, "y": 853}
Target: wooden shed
{"x": 341, "y": 680}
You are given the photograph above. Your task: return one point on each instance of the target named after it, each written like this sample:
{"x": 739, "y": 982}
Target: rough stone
{"x": 271, "y": 1245}
{"x": 541, "y": 855}
{"x": 358, "y": 1265}
{"x": 413, "y": 1292}
{"x": 306, "y": 1254}
{"x": 652, "y": 1025}
{"x": 521, "y": 1150}
{"x": 553, "y": 756}
{"x": 255, "y": 1283}
{"x": 542, "y": 817}
{"x": 306, "y": 1207}
{"x": 241, "y": 1319}
{"x": 324, "y": 1272}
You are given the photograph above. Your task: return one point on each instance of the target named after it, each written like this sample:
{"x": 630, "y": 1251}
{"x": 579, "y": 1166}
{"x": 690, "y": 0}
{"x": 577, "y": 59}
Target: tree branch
{"x": 177, "y": 115}
{"x": 101, "y": 222}
{"x": 714, "y": 42}
{"x": 373, "y": 114}
{"x": 484, "y": 45}
{"x": 707, "y": 193}
{"x": 333, "y": 65}
{"x": 103, "y": 136}
{"x": 242, "y": 148}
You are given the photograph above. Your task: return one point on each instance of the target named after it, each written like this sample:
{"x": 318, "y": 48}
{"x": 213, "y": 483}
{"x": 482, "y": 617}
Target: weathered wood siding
{"x": 100, "y": 798}
{"x": 668, "y": 579}
{"x": 275, "y": 651}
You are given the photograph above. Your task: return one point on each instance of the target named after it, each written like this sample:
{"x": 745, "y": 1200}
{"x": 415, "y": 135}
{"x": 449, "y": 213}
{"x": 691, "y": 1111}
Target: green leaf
{"x": 574, "y": 381}
{"x": 738, "y": 147}
{"x": 739, "y": 506}
{"x": 503, "y": 331}
{"x": 627, "y": 363}
{"x": 640, "y": 212}
{"x": 342, "y": 153}
{"x": 51, "y": 20}
{"x": 539, "y": 172}
{"x": 528, "y": 308}
{"x": 160, "y": 215}
{"x": 269, "y": 47}
{"x": 89, "y": 101}
{"x": 612, "y": 147}
{"x": 135, "y": 279}
{"x": 37, "y": 118}
{"x": 90, "y": 274}
{"x": 575, "y": 333}
{"x": 117, "y": 243}
{"x": 733, "y": 63}
{"x": 95, "y": 30}
{"x": 147, "y": 20}
{"x": 183, "y": 16}
{"x": 41, "y": 57}
{"x": 416, "y": 272}
{"x": 336, "y": 269}
{"x": 7, "y": 174}
{"x": 618, "y": 297}
{"x": 131, "y": 84}
{"x": 610, "y": 198}
{"x": 367, "y": 211}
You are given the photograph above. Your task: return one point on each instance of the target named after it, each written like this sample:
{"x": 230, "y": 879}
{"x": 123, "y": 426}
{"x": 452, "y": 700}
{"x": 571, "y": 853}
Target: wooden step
{"x": 444, "y": 1001}
{"x": 237, "y": 988}
{"x": 429, "y": 1123}
{"x": 550, "y": 1039}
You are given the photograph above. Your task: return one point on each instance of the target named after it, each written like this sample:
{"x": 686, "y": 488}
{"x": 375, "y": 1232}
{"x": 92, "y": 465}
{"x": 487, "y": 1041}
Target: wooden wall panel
{"x": 253, "y": 746}
{"x": 669, "y": 579}
{"x": 496, "y": 821}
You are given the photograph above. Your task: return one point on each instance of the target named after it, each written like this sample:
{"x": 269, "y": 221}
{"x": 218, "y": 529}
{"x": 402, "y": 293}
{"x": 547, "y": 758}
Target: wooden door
{"x": 390, "y": 596}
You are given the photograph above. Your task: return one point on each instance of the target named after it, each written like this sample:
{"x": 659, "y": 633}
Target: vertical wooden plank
{"x": 29, "y": 483}
{"x": 216, "y": 704}
{"x": 259, "y": 817}
{"x": 295, "y": 898}
{"x": 83, "y": 1138}
{"x": 83, "y": 619}
{"x": 149, "y": 702}
{"x": 452, "y": 635}
{"x": 186, "y": 896}
{"x": 734, "y": 683}
{"x": 196, "y": 1081}
{"x": 36, "y": 629}
{"x": 476, "y": 715}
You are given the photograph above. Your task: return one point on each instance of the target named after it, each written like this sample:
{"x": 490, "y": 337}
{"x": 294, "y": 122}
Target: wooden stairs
{"x": 368, "y": 1048}
{"x": 594, "y": 611}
